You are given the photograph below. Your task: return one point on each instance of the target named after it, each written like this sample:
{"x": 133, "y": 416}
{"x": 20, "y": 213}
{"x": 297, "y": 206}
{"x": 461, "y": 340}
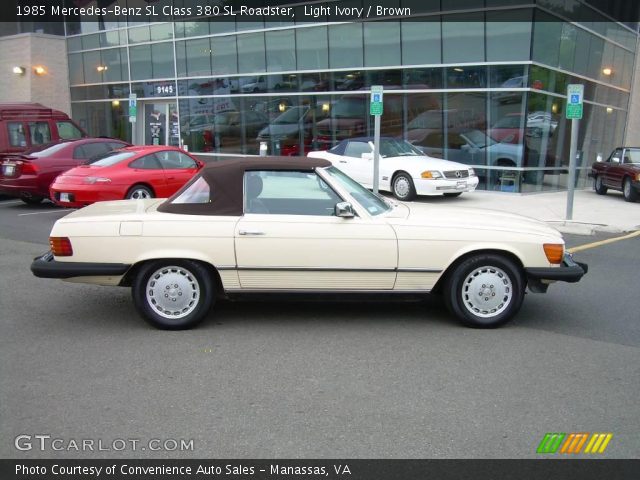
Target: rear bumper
{"x": 45, "y": 266}
{"x": 569, "y": 271}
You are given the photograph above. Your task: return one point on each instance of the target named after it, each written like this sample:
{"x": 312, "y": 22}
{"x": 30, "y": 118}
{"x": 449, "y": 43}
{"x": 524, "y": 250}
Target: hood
{"x": 425, "y": 162}
{"x": 465, "y": 218}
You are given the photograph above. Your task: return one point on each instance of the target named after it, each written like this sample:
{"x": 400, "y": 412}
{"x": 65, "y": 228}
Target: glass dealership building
{"x": 482, "y": 82}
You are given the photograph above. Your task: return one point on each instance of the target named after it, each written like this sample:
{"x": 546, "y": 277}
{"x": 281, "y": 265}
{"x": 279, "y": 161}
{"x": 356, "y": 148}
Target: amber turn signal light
{"x": 60, "y": 246}
{"x": 554, "y": 252}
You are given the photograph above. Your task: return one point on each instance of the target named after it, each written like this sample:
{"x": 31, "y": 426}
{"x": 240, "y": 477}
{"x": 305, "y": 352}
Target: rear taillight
{"x": 60, "y": 246}
{"x": 28, "y": 168}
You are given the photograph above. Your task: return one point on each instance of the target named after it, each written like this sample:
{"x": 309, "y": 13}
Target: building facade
{"x": 482, "y": 82}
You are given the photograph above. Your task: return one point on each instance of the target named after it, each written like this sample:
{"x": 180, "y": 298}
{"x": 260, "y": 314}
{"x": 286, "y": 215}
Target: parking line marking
{"x": 48, "y": 211}
{"x": 11, "y": 202}
{"x": 587, "y": 246}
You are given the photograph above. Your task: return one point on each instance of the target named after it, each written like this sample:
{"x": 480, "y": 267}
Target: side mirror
{"x": 615, "y": 160}
{"x": 344, "y": 210}
{"x": 366, "y": 156}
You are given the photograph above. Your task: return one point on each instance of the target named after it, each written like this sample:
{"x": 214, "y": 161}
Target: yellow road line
{"x": 602, "y": 242}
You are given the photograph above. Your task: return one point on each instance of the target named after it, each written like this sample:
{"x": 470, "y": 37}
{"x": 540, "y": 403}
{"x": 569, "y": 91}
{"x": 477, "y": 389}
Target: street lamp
{"x": 19, "y": 70}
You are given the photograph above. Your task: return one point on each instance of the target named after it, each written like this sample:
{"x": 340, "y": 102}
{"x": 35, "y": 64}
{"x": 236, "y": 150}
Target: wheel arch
{"x": 143, "y": 184}
{"x": 128, "y": 278}
{"x": 509, "y": 254}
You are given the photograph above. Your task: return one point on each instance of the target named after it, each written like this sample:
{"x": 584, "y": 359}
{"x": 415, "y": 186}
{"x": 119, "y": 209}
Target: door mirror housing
{"x": 344, "y": 210}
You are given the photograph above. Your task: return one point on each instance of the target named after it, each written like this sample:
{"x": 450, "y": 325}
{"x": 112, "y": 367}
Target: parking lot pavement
{"x": 328, "y": 380}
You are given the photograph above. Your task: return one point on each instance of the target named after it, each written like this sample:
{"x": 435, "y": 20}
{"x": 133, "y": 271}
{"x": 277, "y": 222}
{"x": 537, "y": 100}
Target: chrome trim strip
{"x": 311, "y": 290}
{"x": 334, "y": 269}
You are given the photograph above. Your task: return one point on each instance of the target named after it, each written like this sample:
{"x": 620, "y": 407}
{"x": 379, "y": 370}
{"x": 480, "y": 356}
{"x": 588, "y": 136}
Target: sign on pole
{"x": 375, "y": 109}
{"x": 133, "y": 107}
{"x": 575, "y": 96}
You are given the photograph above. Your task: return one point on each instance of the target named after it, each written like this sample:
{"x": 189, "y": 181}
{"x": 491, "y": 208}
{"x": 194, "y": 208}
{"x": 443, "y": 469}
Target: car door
{"x": 614, "y": 170}
{"x": 358, "y": 168}
{"x": 148, "y": 170}
{"x": 289, "y": 238}
{"x": 178, "y": 169}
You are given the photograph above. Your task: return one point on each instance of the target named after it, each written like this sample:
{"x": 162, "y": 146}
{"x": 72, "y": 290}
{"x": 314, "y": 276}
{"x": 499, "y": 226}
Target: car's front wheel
{"x": 485, "y": 290}
{"x": 630, "y": 194}
{"x": 598, "y": 186}
{"x": 173, "y": 294}
{"x": 403, "y": 187}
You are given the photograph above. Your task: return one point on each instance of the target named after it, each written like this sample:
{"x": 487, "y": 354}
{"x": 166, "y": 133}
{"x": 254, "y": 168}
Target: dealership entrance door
{"x": 161, "y": 125}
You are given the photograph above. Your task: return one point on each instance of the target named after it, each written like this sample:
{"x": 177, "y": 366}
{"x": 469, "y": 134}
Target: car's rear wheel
{"x": 485, "y": 290}
{"x": 33, "y": 200}
{"x": 456, "y": 194}
{"x": 598, "y": 186}
{"x": 139, "y": 192}
{"x": 630, "y": 194}
{"x": 173, "y": 294}
{"x": 403, "y": 187}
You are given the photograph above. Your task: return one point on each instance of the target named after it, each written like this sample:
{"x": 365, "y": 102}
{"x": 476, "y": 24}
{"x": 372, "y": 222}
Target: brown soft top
{"x": 225, "y": 179}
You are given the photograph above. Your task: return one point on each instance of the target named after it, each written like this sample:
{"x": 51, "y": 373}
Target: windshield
{"x": 374, "y": 204}
{"x": 45, "y": 152}
{"x": 398, "y": 148}
{"x": 110, "y": 158}
{"x": 291, "y": 116}
{"x": 477, "y": 138}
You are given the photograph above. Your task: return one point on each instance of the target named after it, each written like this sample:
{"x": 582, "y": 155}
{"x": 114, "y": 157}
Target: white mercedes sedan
{"x": 291, "y": 226}
{"x": 405, "y": 170}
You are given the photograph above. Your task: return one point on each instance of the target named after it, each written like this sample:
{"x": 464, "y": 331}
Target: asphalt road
{"x": 328, "y": 380}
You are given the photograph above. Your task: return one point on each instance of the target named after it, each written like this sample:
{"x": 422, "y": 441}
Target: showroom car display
{"x": 28, "y": 175}
{"x": 405, "y": 170}
{"x": 286, "y": 225}
{"x": 621, "y": 171}
{"x": 131, "y": 172}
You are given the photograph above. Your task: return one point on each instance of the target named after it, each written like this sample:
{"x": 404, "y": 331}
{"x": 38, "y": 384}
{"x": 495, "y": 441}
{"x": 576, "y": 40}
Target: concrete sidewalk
{"x": 591, "y": 212}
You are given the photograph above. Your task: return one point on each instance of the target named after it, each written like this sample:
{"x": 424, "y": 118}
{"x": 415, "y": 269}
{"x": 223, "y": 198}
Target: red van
{"x": 25, "y": 125}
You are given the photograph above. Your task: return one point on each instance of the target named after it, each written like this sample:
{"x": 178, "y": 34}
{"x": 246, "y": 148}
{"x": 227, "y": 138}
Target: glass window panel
{"x": 115, "y": 61}
{"x": 421, "y": 6}
{"x": 181, "y": 59}
{"x": 163, "y": 31}
{"x": 141, "y": 65}
{"x": 463, "y": 38}
{"x": 113, "y": 38}
{"x": 280, "y": 50}
{"x": 581, "y": 55}
{"x": 418, "y": 78}
{"x": 311, "y": 48}
{"x": 421, "y": 42}
{"x": 251, "y": 53}
{"x": 345, "y": 45}
{"x": 139, "y": 34}
{"x": 466, "y": 77}
{"x": 381, "y": 43}
{"x": 225, "y": 57}
{"x": 596, "y": 49}
{"x": 568, "y": 40}
{"x": 198, "y": 53}
{"x": 91, "y": 62}
{"x": 162, "y": 54}
{"x": 508, "y": 35}
{"x": 91, "y": 41}
{"x": 76, "y": 70}
{"x": 546, "y": 40}
{"x": 507, "y": 76}
{"x": 74, "y": 44}
{"x": 195, "y": 28}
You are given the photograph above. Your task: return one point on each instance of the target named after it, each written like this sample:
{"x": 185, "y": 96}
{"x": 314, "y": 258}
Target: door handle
{"x": 250, "y": 232}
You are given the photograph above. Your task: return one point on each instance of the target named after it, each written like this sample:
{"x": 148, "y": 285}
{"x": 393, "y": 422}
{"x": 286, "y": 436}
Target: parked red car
{"x": 28, "y": 175}
{"x": 132, "y": 172}
{"x": 621, "y": 171}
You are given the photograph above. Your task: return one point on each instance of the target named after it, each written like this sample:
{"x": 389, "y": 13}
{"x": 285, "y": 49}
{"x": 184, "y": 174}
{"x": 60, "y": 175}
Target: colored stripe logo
{"x": 573, "y": 443}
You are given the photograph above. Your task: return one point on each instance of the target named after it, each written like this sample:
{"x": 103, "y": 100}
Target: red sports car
{"x": 132, "y": 172}
{"x": 29, "y": 174}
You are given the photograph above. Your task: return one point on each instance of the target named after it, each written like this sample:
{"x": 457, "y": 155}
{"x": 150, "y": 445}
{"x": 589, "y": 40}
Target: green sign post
{"x": 375, "y": 109}
{"x": 575, "y": 96}
{"x": 133, "y": 107}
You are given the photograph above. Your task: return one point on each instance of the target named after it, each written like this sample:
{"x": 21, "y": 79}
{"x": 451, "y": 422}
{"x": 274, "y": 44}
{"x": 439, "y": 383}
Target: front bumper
{"x": 45, "y": 266}
{"x": 569, "y": 271}
{"x": 440, "y": 186}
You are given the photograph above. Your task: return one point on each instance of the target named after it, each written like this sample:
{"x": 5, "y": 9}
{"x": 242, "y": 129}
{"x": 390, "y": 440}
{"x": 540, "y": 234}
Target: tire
{"x": 402, "y": 187}
{"x": 495, "y": 276}
{"x": 598, "y": 186}
{"x": 139, "y": 192}
{"x": 32, "y": 200}
{"x": 189, "y": 293}
{"x": 630, "y": 194}
{"x": 456, "y": 194}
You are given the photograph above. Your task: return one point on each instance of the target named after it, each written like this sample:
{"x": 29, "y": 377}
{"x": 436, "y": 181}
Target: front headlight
{"x": 431, "y": 174}
{"x": 93, "y": 180}
{"x": 637, "y": 177}
{"x": 472, "y": 172}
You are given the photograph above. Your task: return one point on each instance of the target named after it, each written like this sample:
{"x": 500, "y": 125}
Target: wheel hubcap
{"x": 138, "y": 194}
{"x": 173, "y": 292}
{"x": 487, "y": 291}
{"x": 627, "y": 188}
{"x": 402, "y": 187}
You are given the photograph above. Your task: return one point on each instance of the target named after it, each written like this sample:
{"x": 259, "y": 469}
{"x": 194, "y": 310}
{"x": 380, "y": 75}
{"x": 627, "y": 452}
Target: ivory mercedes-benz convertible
{"x": 298, "y": 225}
